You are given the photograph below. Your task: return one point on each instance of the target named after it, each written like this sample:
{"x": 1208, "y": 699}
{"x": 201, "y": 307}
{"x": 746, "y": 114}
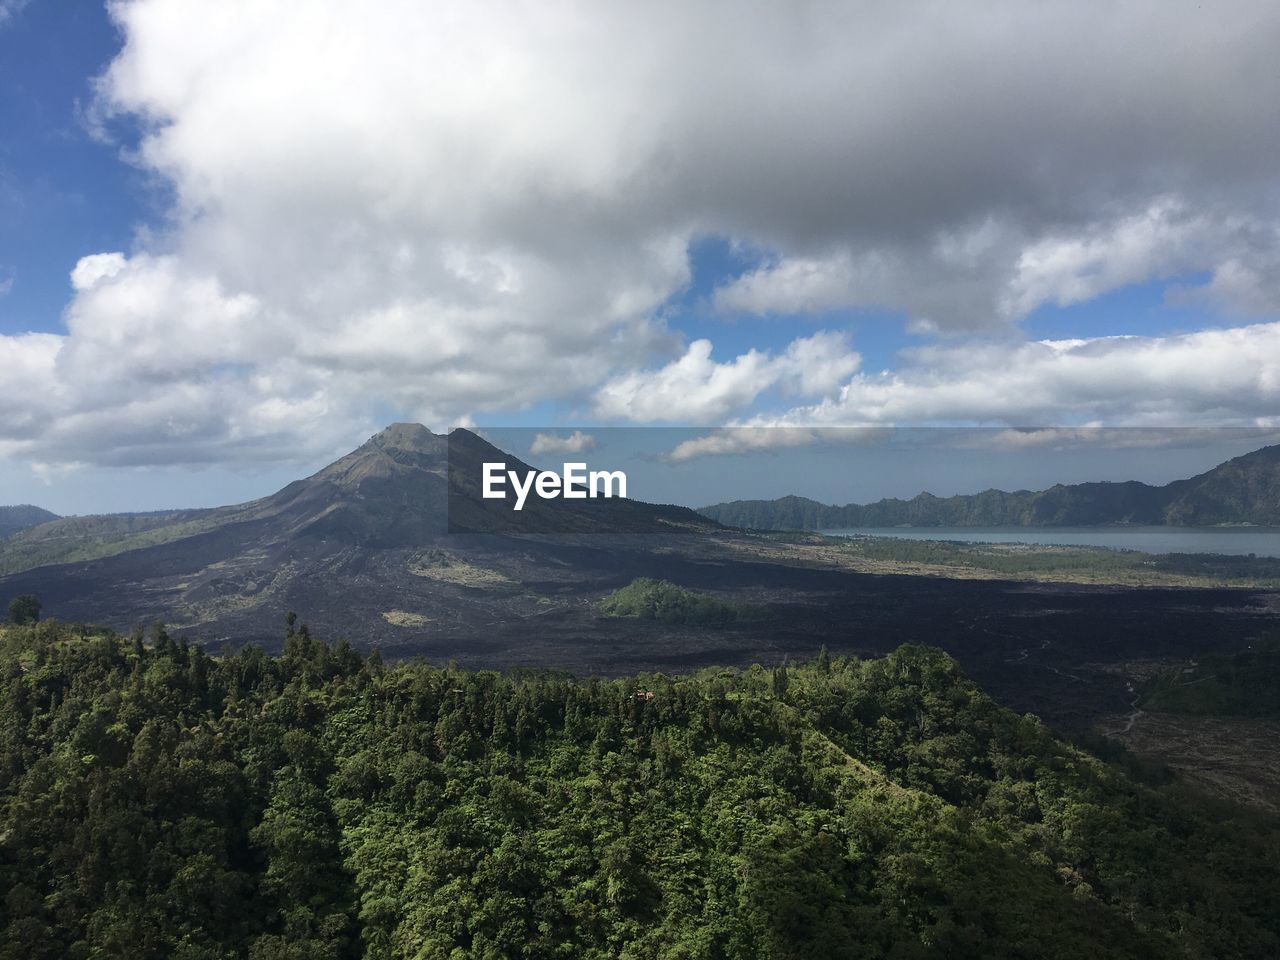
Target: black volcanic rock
{"x": 1245, "y": 490}
{"x": 22, "y": 516}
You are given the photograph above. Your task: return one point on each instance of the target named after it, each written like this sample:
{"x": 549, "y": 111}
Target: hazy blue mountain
{"x": 1243, "y": 490}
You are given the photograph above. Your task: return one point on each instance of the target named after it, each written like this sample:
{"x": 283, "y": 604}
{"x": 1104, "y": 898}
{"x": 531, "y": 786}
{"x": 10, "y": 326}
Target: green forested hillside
{"x": 159, "y": 803}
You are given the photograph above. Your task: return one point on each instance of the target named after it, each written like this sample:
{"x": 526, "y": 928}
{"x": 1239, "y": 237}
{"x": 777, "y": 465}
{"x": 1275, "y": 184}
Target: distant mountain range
{"x": 1245, "y": 490}
{"x": 13, "y": 519}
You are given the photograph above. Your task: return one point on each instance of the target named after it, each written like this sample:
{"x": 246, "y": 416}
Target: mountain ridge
{"x": 1242, "y": 490}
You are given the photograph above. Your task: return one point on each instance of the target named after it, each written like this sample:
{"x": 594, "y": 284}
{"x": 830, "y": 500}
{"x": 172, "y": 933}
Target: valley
{"x": 362, "y": 550}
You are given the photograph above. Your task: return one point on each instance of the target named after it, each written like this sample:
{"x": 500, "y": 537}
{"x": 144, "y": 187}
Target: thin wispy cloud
{"x": 576, "y": 442}
{"x": 10, "y": 9}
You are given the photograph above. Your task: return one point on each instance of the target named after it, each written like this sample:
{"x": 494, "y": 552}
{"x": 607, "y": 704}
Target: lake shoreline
{"x": 1236, "y": 540}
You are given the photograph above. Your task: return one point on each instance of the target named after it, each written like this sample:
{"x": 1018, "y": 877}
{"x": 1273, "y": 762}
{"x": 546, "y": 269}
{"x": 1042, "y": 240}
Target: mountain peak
{"x": 406, "y": 436}
{"x": 399, "y": 449}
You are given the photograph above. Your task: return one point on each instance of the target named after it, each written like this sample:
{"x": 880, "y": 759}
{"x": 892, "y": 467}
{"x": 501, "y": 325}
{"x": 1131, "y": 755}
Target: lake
{"x": 1235, "y": 541}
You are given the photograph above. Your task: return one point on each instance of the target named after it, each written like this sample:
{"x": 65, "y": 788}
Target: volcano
{"x": 389, "y": 541}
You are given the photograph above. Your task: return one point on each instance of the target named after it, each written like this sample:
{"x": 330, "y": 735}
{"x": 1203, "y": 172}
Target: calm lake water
{"x": 1237, "y": 541}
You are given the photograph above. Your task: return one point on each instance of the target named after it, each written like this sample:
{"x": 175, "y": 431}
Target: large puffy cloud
{"x": 435, "y": 210}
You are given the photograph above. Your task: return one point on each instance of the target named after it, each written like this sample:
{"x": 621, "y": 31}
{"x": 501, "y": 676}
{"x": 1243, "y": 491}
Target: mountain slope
{"x": 22, "y": 516}
{"x": 1245, "y": 489}
{"x": 392, "y": 488}
{"x": 376, "y": 533}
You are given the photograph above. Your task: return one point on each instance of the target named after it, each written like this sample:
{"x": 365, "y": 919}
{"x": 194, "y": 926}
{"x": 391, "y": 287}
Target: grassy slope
{"x": 79, "y": 539}
{"x": 1095, "y": 565}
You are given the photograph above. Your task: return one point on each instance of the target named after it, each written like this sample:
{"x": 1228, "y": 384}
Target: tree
{"x": 780, "y": 682}
{"x": 24, "y": 609}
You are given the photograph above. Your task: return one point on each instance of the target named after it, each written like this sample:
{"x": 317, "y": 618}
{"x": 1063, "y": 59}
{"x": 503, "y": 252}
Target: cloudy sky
{"x": 239, "y": 236}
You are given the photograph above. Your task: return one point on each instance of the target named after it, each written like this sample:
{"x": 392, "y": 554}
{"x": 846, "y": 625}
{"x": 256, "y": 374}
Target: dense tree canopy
{"x": 649, "y": 599}
{"x": 159, "y": 803}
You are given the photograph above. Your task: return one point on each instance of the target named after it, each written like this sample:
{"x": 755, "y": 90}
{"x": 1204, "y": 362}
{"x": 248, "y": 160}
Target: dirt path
{"x": 1024, "y": 655}
{"x": 1137, "y": 711}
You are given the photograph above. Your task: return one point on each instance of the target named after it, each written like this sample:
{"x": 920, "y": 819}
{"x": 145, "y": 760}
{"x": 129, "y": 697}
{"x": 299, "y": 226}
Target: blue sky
{"x": 64, "y": 194}
{"x": 289, "y": 228}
